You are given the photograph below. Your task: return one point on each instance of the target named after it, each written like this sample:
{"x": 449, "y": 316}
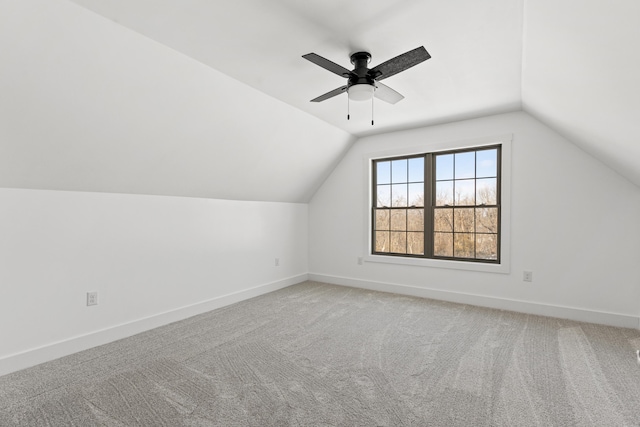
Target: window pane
{"x": 487, "y": 220}
{"x": 443, "y": 220}
{"x": 444, "y": 167}
{"x": 384, "y": 196}
{"x": 463, "y": 221}
{"x": 487, "y": 246}
{"x": 398, "y": 242}
{"x": 415, "y": 220}
{"x": 465, "y": 165}
{"x": 382, "y": 241}
{"x": 382, "y": 219}
{"x": 398, "y": 171}
{"x": 444, "y": 193}
{"x": 415, "y": 243}
{"x": 416, "y": 169}
{"x": 465, "y": 192}
{"x": 416, "y": 194}
{"x": 383, "y": 170}
{"x": 487, "y": 163}
{"x": 399, "y": 195}
{"x": 486, "y": 191}
{"x": 399, "y": 219}
{"x": 443, "y": 244}
{"x": 463, "y": 246}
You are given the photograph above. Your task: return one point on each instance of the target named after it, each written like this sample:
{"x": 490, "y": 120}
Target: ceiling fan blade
{"x": 385, "y": 93}
{"x": 331, "y": 94}
{"x": 327, "y": 65}
{"x": 399, "y": 63}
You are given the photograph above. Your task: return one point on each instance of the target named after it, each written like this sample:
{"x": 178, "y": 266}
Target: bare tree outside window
{"x": 438, "y": 205}
{"x": 399, "y": 206}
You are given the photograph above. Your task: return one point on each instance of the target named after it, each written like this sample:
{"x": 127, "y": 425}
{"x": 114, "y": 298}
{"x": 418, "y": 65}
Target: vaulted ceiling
{"x": 211, "y": 99}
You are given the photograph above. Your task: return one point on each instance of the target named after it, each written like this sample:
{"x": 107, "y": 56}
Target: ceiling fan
{"x": 362, "y": 82}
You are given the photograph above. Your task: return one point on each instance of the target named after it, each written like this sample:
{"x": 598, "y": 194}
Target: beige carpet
{"x": 322, "y": 355}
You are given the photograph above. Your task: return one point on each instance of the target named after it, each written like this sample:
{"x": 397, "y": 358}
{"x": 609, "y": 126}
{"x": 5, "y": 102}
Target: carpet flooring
{"x": 320, "y": 355}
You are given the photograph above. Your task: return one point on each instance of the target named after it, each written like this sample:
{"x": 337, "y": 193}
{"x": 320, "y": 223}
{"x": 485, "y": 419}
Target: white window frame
{"x": 505, "y": 205}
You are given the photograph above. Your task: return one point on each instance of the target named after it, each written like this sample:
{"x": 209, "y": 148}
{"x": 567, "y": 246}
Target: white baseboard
{"x": 32, "y": 357}
{"x": 571, "y": 313}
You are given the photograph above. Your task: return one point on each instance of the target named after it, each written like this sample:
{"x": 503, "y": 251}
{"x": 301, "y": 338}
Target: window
{"x": 440, "y": 205}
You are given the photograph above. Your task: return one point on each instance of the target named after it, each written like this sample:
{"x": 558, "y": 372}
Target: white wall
{"x": 574, "y": 223}
{"x": 153, "y": 259}
{"x": 156, "y": 259}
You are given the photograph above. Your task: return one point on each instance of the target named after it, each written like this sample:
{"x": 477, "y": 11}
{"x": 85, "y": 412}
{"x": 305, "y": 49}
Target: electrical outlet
{"x": 92, "y": 298}
{"x": 527, "y": 276}
{"x": 277, "y": 262}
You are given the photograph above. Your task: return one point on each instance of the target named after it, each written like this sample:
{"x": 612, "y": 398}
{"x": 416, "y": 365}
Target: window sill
{"x": 502, "y": 268}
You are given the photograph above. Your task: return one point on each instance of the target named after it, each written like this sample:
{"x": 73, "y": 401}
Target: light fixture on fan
{"x": 361, "y": 92}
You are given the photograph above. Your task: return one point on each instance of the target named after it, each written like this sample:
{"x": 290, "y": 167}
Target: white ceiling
{"x": 476, "y": 49}
{"x": 211, "y": 99}
{"x": 580, "y": 75}
{"x": 88, "y": 105}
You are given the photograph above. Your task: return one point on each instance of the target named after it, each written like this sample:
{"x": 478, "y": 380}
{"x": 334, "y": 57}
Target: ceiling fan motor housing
{"x": 360, "y": 74}
{"x": 360, "y": 85}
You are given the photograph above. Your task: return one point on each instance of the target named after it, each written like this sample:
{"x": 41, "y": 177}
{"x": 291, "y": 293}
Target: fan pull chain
{"x": 372, "y": 110}
{"x": 348, "y": 104}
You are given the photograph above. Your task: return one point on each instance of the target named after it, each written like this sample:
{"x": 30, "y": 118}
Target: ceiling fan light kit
{"x": 363, "y": 83}
{"x": 361, "y": 92}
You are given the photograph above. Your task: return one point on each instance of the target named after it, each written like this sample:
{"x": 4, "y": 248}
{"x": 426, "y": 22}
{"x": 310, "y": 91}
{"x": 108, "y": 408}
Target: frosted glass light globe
{"x": 361, "y": 92}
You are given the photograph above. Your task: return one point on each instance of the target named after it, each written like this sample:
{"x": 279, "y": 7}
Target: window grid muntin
{"x": 390, "y": 228}
{"x": 392, "y": 207}
{"x": 475, "y": 206}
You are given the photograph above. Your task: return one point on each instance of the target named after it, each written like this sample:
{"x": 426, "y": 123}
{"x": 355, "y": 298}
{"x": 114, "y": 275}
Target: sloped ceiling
{"x": 476, "y": 48}
{"x": 581, "y": 72}
{"x": 211, "y": 99}
{"x": 88, "y": 105}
